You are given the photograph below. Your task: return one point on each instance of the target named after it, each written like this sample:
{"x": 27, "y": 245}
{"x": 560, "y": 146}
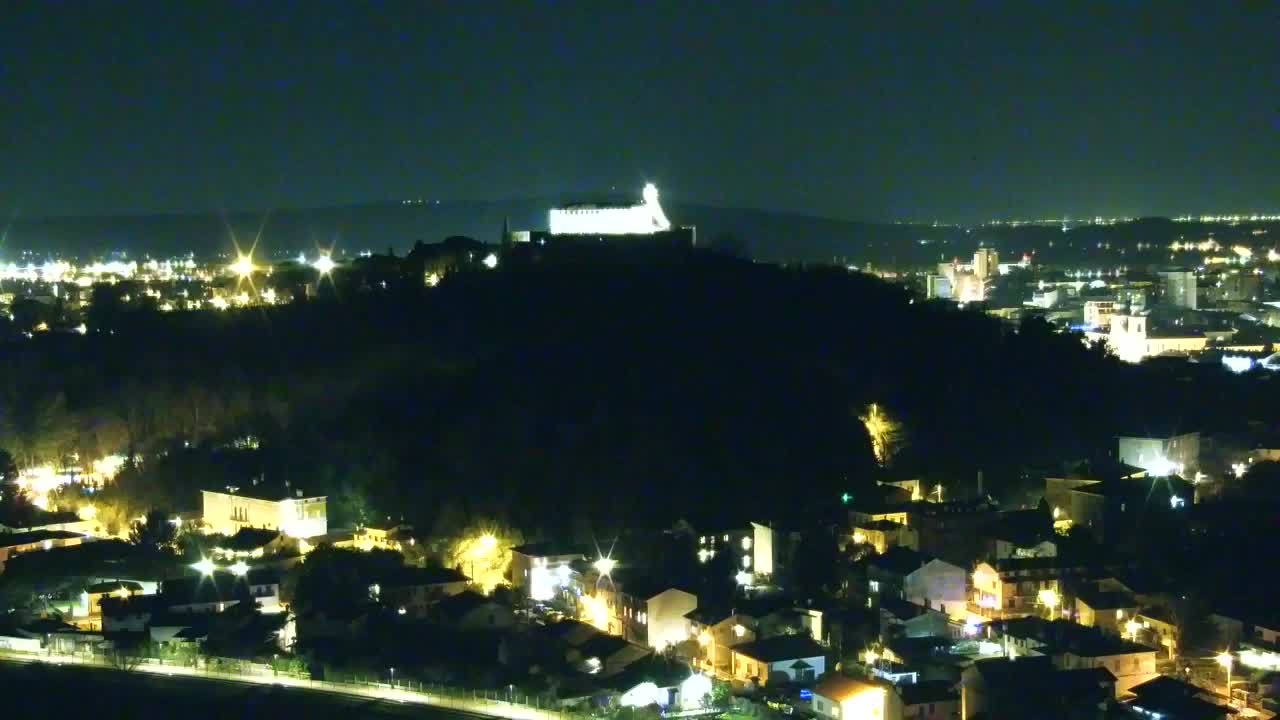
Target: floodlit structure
{"x": 542, "y": 570}
{"x": 842, "y": 698}
{"x": 265, "y": 507}
{"x": 1132, "y": 339}
{"x": 644, "y": 218}
{"x": 1171, "y": 454}
{"x": 1180, "y": 288}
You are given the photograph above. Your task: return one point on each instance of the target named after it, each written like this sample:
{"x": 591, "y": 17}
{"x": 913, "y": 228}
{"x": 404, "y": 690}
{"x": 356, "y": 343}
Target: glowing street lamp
{"x": 204, "y": 567}
{"x": 1132, "y": 627}
{"x": 323, "y": 264}
{"x": 605, "y": 565}
{"x": 243, "y": 266}
{"x": 1050, "y": 599}
{"x": 1226, "y": 660}
{"x": 240, "y": 568}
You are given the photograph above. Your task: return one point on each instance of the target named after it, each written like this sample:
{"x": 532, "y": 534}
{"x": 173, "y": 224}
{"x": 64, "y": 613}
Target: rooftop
{"x": 114, "y": 586}
{"x": 246, "y": 539}
{"x": 457, "y": 606}
{"x": 1100, "y": 600}
{"x": 35, "y": 536}
{"x": 411, "y": 576}
{"x": 841, "y": 688}
{"x": 899, "y": 560}
{"x": 273, "y": 491}
{"x": 1064, "y": 636}
{"x": 781, "y": 647}
{"x": 929, "y": 691}
{"x": 549, "y": 549}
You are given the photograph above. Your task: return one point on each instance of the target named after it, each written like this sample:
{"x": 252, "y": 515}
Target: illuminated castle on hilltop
{"x": 645, "y": 218}
{"x": 617, "y": 225}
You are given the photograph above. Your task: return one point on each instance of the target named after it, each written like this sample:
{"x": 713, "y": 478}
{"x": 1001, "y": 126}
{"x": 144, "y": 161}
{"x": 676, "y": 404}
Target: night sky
{"x": 879, "y": 111}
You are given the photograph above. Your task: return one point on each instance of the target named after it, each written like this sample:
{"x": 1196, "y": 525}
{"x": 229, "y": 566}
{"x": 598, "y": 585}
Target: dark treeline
{"x": 562, "y": 398}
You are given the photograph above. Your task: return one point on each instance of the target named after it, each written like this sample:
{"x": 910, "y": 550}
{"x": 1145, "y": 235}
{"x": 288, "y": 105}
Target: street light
{"x": 1133, "y": 626}
{"x": 240, "y": 568}
{"x": 204, "y": 567}
{"x": 243, "y": 266}
{"x": 1226, "y": 660}
{"x": 393, "y": 677}
{"x": 605, "y": 565}
{"x": 323, "y": 264}
{"x": 1049, "y": 598}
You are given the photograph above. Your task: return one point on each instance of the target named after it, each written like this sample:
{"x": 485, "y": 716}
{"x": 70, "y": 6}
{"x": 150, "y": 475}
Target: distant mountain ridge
{"x": 762, "y": 234}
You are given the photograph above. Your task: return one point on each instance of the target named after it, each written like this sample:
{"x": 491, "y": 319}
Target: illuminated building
{"x": 540, "y": 570}
{"x": 782, "y": 658}
{"x": 716, "y": 631}
{"x": 267, "y": 507}
{"x": 415, "y": 589}
{"x": 986, "y": 262}
{"x": 843, "y": 698}
{"x": 1070, "y": 646}
{"x": 644, "y": 610}
{"x": 1160, "y": 455}
{"x": 1097, "y": 313}
{"x": 1179, "y": 288}
{"x": 23, "y": 542}
{"x": 644, "y": 218}
{"x": 1132, "y": 339}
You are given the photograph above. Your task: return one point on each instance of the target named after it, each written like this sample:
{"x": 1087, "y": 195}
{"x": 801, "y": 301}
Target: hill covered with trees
{"x": 583, "y": 396}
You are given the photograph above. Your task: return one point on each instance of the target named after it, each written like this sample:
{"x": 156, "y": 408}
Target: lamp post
{"x": 393, "y": 677}
{"x": 1049, "y": 598}
{"x": 1226, "y": 660}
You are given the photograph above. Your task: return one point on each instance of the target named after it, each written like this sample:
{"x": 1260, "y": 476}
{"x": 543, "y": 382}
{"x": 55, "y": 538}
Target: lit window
{"x": 875, "y": 585}
{"x": 746, "y": 561}
{"x": 746, "y": 543}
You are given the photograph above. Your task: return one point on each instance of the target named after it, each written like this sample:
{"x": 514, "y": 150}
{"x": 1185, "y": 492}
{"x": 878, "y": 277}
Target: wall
{"x": 298, "y": 517}
{"x": 938, "y": 585}
{"x": 666, "y": 610}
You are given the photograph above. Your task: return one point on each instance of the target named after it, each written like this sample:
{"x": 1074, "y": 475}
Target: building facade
{"x": 295, "y": 515}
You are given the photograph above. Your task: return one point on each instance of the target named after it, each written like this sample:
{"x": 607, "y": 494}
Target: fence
{"x": 496, "y": 703}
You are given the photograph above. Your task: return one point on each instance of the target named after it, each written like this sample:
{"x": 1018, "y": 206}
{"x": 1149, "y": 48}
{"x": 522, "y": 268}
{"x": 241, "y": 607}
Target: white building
{"x": 1171, "y": 454}
{"x": 644, "y": 218}
{"x": 1097, "y": 313}
{"x": 1132, "y": 341}
{"x": 265, "y": 507}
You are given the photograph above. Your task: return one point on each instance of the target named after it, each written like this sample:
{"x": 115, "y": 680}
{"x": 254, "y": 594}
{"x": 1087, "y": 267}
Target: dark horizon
{"x": 915, "y": 113}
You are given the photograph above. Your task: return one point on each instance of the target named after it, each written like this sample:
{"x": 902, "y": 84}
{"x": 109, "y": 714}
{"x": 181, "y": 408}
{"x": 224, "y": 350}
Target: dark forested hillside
{"x": 582, "y": 395}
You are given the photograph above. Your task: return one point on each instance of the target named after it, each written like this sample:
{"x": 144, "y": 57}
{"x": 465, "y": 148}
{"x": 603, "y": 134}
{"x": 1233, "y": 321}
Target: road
{"x": 39, "y": 688}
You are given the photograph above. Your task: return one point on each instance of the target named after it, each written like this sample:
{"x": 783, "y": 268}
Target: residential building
{"x": 1159, "y": 629}
{"x": 1172, "y": 699}
{"x": 413, "y": 590}
{"x": 884, "y": 534}
{"x": 838, "y": 697}
{"x": 928, "y": 700}
{"x": 919, "y": 578}
{"x": 36, "y": 540}
{"x": 716, "y": 631}
{"x": 904, "y": 618}
{"x": 128, "y": 614}
{"x": 1110, "y": 612}
{"x": 1006, "y": 688}
{"x": 469, "y": 610}
{"x": 1179, "y": 288}
{"x": 585, "y": 646}
{"x": 1071, "y": 646}
{"x": 93, "y": 596}
{"x": 1107, "y": 508}
{"x": 644, "y": 610}
{"x": 540, "y": 570}
{"x": 1013, "y": 587}
{"x": 1170, "y": 453}
{"x": 249, "y": 543}
{"x": 786, "y": 658}
{"x": 1097, "y": 313}
{"x": 266, "y": 506}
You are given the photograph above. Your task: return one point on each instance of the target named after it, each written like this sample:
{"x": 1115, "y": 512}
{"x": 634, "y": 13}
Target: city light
{"x": 605, "y": 565}
{"x": 239, "y": 568}
{"x": 1050, "y": 599}
{"x": 204, "y": 567}
{"x": 243, "y": 266}
{"x": 490, "y": 261}
{"x": 323, "y": 264}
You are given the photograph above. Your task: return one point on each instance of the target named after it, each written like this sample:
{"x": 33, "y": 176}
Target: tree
{"x": 15, "y": 505}
{"x": 154, "y": 533}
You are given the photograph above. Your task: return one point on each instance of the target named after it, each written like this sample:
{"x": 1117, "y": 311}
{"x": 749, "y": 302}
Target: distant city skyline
{"x": 916, "y": 111}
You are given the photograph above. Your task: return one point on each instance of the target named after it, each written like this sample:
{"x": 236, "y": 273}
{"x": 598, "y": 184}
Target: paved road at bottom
{"x": 62, "y": 692}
